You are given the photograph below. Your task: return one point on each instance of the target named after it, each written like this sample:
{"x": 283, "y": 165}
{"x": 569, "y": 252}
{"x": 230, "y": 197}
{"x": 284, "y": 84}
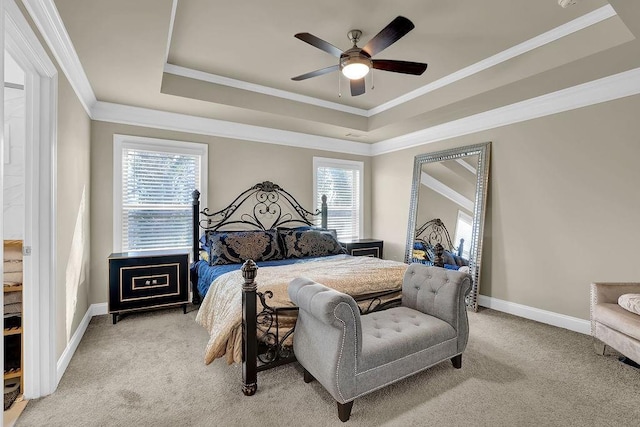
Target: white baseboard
{"x": 99, "y": 309}
{"x": 543, "y": 316}
{"x": 67, "y": 354}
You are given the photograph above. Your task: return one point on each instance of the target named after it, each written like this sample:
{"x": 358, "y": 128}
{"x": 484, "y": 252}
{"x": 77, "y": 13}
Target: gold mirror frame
{"x": 482, "y": 179}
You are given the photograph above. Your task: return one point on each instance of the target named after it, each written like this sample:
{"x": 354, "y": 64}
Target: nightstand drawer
{"x": 364, "y": 247}
{"x": 141, "y": 280}
{"x": 372, "y": 252}
{"x": 155, "y": 281}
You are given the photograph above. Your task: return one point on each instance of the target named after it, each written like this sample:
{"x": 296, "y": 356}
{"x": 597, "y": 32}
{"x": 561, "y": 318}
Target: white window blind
{"x": 341, "y": 182}
{"x": 155, "y": 196}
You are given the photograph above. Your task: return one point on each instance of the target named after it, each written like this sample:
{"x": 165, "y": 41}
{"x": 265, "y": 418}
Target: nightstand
{"x": 364, "y": 247}
{"x": 150, "y": 279}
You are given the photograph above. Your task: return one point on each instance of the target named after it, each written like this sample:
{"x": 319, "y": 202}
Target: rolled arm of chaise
{"x": 328, "y": 337}
{"x": 441, "y": 293}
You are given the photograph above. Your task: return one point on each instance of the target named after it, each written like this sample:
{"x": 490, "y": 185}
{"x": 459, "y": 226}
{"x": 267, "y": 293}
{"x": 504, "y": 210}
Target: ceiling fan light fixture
{"x": 355, "y": 70}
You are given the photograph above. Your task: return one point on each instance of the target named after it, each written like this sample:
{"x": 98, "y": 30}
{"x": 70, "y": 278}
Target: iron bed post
{"x": 195, "y": 220}
{"x": 249, "y": 329}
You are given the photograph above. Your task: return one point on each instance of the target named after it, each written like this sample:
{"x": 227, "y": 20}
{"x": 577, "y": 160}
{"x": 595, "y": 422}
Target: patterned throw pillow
{"x": 630, "y": 302}
{"x": 235, "y": 247}
{"x": 310, "y": 243}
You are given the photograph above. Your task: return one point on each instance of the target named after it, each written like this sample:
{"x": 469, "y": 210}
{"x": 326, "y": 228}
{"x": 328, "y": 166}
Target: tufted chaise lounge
{"x": 352, "y": 354}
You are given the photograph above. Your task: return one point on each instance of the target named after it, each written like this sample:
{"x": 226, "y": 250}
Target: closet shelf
{"x": 12, "y": 288}
{"x": 13, "y": 373}
{"x": 12, "y": 331}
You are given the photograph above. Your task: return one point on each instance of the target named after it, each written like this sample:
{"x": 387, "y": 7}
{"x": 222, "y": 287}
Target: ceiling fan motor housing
{"x": 355, "y": 55}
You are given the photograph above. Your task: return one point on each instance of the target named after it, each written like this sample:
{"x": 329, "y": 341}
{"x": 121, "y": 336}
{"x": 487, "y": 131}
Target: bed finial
{"x": 324, "y": 211}
{"x": 439, "y": 251}
{"x": 249, "y": 270}
{"x": 195, "y": 196}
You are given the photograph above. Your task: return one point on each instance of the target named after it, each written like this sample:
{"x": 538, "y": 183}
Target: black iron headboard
{"x": 433, "y": 232}
{"x": 272, "y": 207}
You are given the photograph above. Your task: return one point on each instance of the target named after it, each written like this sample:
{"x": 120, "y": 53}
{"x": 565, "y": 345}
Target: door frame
{"x": 39, "y": 292}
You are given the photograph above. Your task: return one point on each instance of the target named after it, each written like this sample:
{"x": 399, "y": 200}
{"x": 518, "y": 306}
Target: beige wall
{"x": 72, "y": 216}
{"x": 234, "y": 166}
{"x": 562, "y": 207}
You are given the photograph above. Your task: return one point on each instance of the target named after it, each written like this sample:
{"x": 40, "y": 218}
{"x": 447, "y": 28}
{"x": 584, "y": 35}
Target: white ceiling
{"x": 228, "y": 61}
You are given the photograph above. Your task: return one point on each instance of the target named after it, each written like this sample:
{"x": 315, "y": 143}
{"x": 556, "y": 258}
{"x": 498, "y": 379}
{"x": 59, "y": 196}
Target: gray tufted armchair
{"x": 352, "y": 354}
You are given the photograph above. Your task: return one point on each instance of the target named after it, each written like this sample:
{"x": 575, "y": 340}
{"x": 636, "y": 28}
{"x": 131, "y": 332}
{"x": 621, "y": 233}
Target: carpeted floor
{"x": 148, "y": 370}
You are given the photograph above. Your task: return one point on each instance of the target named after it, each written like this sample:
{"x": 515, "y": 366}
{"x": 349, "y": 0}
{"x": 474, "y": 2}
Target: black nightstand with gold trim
{"x": 150, "y": 279}
{"x": 364, "y": 247}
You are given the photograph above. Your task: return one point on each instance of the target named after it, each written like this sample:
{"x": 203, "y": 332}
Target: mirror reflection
{"x": 447, "y": 211}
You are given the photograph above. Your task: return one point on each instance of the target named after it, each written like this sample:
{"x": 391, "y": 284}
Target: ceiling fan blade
{"x": 316, "y": 73}
{"x": 357, "y": 87}
{"x": 389, "y": 35}
{"x": 319, "y": 43}
{"x": 405, "y": 67}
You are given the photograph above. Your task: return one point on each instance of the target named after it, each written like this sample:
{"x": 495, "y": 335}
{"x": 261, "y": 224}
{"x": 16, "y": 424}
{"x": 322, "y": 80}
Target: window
{"x": 463, "y": 231}
{"x": 341, "y": 181}
{"x": 153, "y": 182}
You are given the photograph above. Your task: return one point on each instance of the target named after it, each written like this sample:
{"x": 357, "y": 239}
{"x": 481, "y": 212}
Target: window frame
{"x": 342, "y": 164}
{"x": 158, "y": 145}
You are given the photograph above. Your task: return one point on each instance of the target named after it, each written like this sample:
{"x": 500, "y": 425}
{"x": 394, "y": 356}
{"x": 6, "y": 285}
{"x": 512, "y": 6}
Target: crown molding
{"x": 265, "y": 90}
{"x": 605, "y": 89}
{"x": 137, "y": 116}
{"x": 564, "y": 30}
{"x": 602, "y": 90}
{"x": 46, "y": 17}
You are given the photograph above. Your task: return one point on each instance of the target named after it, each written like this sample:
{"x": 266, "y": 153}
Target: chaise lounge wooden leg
{"x": 344, "y": 411}
{"x": 307, "y": 376}
{"x": 457, "y": 361}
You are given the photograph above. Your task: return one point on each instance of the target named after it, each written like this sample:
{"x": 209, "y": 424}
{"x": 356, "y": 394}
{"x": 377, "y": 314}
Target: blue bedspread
{"x": 208, "y": 273}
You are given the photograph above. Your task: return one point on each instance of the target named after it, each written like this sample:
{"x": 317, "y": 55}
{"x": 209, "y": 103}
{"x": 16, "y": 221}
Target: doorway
{"x": 38, "y": 292}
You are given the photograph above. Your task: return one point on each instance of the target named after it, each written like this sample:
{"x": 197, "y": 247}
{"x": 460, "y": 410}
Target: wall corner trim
{"x": 72, "y": 346}
{"x": 543, "y": 316}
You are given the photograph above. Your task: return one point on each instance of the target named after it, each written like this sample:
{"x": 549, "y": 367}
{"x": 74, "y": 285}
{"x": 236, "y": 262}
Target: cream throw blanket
{"x": 221, "y": 309}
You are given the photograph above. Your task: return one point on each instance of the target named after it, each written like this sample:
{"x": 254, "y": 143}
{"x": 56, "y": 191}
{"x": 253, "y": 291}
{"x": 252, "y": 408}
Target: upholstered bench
{"x": 352, "y": 354}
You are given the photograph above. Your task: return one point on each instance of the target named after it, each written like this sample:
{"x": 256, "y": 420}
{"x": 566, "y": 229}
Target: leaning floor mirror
{"x": 446, "y": 216}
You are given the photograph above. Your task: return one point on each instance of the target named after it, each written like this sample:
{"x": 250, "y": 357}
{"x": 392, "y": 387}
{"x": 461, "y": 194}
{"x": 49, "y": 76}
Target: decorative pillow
{"x": 234, "y": 247}
{"x": 310, "y": 243}
{"x": 419, "y": 246}
{"x": 630, "y": 302}
{"x": 307, "y": 228}
{"x": 419, "y": 254}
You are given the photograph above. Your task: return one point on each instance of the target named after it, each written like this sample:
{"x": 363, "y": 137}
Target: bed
{"x": 251, "y": 320}
{"x": 432, "y": 246}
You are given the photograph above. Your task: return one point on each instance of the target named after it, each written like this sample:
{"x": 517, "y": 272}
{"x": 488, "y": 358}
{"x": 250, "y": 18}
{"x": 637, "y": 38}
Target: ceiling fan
{"x": 356, "y": 62}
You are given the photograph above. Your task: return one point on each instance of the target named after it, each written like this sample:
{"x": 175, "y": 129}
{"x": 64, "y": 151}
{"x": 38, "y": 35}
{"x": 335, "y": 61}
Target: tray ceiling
{"x": 228, "y": 61}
